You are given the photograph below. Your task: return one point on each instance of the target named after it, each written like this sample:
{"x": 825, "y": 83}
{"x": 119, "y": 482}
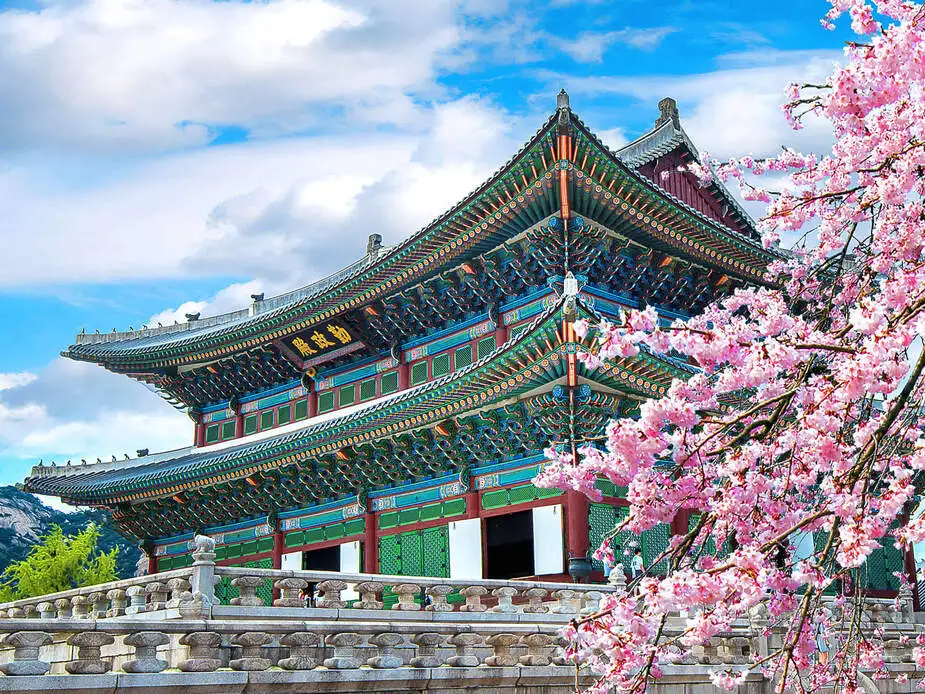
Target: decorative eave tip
{"x": 562, "y": 103}
{"x": 668, "y": 111}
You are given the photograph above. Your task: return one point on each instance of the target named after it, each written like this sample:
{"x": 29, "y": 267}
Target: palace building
{"x": 390, "y": 418}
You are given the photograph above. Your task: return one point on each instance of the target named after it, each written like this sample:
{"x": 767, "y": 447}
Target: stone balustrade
{"x": 113, "y": 599}
{"x": 137, "y": 645}
{"x": 170, "y": 596}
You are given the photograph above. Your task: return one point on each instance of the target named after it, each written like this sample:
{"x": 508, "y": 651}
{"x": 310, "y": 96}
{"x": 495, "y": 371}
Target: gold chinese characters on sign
{"x": 319, "y": 340}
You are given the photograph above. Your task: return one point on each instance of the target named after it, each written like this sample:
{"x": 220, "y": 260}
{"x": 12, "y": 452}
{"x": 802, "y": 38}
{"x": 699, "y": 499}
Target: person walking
{"x": 637, "y": 567}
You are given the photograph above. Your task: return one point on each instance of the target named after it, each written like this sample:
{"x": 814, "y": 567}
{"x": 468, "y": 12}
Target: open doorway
{"x": 327, "y": 559}
{"x": 509, "y": 545}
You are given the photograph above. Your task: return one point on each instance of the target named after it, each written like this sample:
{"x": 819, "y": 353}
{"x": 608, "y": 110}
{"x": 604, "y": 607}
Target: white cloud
{"x": 73, "y": 411}
{"x": 614, "y": 138}
{"x": 15, "y": 380}
{"x": 590, "y": 46}
{"x": 734, "y": 110}
{"x": 143, "y": 74}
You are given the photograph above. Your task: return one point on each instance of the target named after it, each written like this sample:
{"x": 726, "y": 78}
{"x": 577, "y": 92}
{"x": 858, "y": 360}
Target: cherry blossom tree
{"x": 804, "y": 418}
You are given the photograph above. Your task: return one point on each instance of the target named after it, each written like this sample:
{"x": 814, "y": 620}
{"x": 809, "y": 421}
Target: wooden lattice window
{"x": 301, "y": 410}
{"x": 284, "y": 415}
{"x": 419, "y": 373}
{"x": 228, "y": 430}
{"x": 250, "y": 424}
{"x": 212, "y": 434}
{"x": 326, "y": 401}
{"x": 486, "y": 347}
{"x": 266, "y": 420}
{"x": 368, "y": 389}
{"x": 389, "y": 383}
{"x": 462, "y": 357}
{"x": 440, "y": 366}
{"x": 347, "y": 395}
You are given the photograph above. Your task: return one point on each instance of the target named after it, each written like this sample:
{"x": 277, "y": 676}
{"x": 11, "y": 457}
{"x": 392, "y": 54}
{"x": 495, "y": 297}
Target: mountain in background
{"x": 24, "y": 519}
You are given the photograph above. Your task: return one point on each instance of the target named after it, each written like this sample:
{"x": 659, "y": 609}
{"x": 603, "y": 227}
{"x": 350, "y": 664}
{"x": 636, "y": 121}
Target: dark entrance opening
{"x": 327, "y": 559}
{"x": 509, "y": 545}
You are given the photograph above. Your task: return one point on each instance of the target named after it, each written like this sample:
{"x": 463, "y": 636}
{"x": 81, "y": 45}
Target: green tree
{"x": 59, "y": 562}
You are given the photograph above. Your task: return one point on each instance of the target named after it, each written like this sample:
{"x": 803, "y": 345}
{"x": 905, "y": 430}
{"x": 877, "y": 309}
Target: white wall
{"x": 466, "y": 548}
{"x": 292, "y": 561}
{"x": 548, "y": 552}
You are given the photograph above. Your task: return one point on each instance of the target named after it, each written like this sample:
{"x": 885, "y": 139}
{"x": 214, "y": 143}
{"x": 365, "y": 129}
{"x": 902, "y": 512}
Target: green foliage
{"x": 59, "y": 562}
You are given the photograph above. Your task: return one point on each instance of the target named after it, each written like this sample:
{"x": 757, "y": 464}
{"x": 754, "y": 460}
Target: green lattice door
{"x": 416, "y": 553}
{"x": 603, "y": 518}
{"x": 224, "y": 591}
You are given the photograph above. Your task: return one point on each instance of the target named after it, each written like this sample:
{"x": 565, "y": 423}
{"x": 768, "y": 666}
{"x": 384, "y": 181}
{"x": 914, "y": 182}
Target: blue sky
{"x": 159, "y": 157}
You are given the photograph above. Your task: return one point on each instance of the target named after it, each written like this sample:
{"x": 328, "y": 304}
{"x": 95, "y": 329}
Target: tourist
{"x": 637, "y": 567}
{"x": 822, "y": 643}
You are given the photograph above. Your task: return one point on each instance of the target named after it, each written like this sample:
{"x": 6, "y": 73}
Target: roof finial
{"x": 373, "y": 244}
{"x": 562, "y": 101}
{"x": 668, "y": 111}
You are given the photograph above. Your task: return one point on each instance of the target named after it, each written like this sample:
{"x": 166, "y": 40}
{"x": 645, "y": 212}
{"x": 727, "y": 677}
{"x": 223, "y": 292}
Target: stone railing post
{"x": 385, "y": 644}
{"x": 204, "y": 651}
{"x": 345, "y": 654}
{"x": 590, "y": 601}
{"x": 568, "y": 602}
{"x": 89, "y": 653}
{"x": 26, "y": 645}
{"x": 145, "y": 644}
{"x": 329, "y": 594}
{"x": 179, "y": 592}
{"x": 252, "y": 652}
{"x": 15, "y": 613}
{"x": 137, "y": 600}
{"x": 289, "y": 592}
{"x": 46, "y": 610}
{"x": 501, "y": 643}
{"x": 473, "y": 595}
{"x": 535, "y": 596}
{"x": 538, "y": 647}
{"x": 427, "y": 644}
{"x": 406, "y": 592}
{"x": 369, "y": 591}
{"x": 99, "y": 604}
{"x": 465, "y": 644}
{"x": 117, "y": 601}
{"x": 202, "y": 581}
{"x": 63, "y": 608}
{"x": 30, "y": 612}
{"x": 438, "y": 595}
{"x": 300, "y": 645}
{"x": 157, "y": 595}
{"x": 80, "y": 607}
{"x": 505, "y": 597}
{"x": 248, "y": 586}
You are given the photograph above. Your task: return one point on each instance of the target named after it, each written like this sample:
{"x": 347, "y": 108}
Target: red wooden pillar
{"x": 148, "y": 548}
{"x": 501, "y": 332}
{"x": 239, "y": 425}
{"x": 577, "y": 528}
{"x": 472, "y": 502}
{"x": 370, "y": 545}
{"x": 278, "y": 546}
{"x": 312, "y": 401}
{"x": 404, "y": 375}
{"x": 681, "y": 522}
{"x": 200, "y": 433}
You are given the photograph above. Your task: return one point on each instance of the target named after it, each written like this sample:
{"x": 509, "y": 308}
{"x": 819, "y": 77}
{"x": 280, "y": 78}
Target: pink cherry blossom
{"x": 802, "y": 426}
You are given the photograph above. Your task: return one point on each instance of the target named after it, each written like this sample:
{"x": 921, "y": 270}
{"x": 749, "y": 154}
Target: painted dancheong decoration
{"x": 389, "y": 418}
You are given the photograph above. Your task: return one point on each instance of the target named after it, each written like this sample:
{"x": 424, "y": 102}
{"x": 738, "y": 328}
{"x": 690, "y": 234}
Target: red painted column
{"x": 577, "y": 528}
{"x": 312, "y": 401}
{"x": 371, "y": 545}
{"x": 472, "y": 502}
{"x": 239, "y": 425}
{"x": 200, "y": 433}
{"x": 404, "y": 375}
{"x": 501, "y": 332}
{"x": 278, "y": 546}
{"x": 148, "y": 548}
